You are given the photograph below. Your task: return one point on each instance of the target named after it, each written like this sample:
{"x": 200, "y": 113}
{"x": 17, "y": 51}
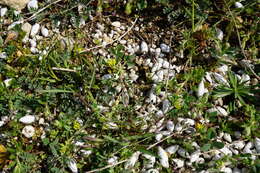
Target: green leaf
{"x": 218, "y": 145}
{"x": 17, "y": 168}
{"x": 206, "y": 147}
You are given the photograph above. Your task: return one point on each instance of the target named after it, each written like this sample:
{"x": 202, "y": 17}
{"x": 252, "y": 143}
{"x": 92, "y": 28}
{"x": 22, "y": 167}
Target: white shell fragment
{"x": 3, "y": 12}
{"x": 35, "y": 29}
{"x": 194, "y": 156}
{"x": 44, "y": 32}
{"x": 165, "y": 48}
{"x": 179, "y": 163}
{"x": 151, "y": 161}
{"x": 183, "y": 153}
{"x": 166, "y": 105}
{"x": 33, "y": 4}
{"x": 172, "y": 149}
{"x": 133, "y": 159}
{"x": 239, "y": 144}
{"x": 73, "y": 166}
{"x": 116, "y": 24}
{"x": 28, "y": 131}
{"x": 170, "y": 125}
{"x": 239, "y": 5}
{"x": 219, "y": 34}
{"x": 257, "y": 144}
{"x": 163, "y": 157}
{"x": 8, "y": 82}
{"x": 227, "y": 137}
{"x": 112, "y": 160}
{"x": 144, "y": 47}
{"x": 201, "y": 89}
{"x": 27, "y": 119}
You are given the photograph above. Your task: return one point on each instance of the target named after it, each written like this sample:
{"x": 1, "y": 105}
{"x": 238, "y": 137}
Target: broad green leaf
{"x": 218, "y": 145}
{"x": 206, "y": 147}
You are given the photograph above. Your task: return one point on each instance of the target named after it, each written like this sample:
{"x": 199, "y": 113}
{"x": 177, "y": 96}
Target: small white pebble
{"x": 73, "y": 166}
{"x": 33, "y": 43}
{"x": 163, "y": 157}
{"x": 144, "y": 47}
{"x": 3, "y": 11}
{"x": 44, "y": 31}
{"x": 33, "y": 4}
{"x": 172, "y": 149}
{"x": 220, "y": 34}
{"x": 27, "y": 119}
{"x": 133, "y": 159}
{"x": 239, "y": 5}
{"x": 8, "y": 82}
{"x": 116, "y": 24}
{"x": 28, "y": 131}
{"x": 165, "y": 48}
{"x": 179, "y": 163}
{"x": 35, "y": 29}
{"x": 170, "y": 125}
{"x": 257, "y": 144}
{"x": 158, "y": 137}
{"x": 227, "y": 137}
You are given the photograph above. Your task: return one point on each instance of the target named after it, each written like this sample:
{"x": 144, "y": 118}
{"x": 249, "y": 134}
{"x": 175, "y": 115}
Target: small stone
{"x": 257, "y": 144}
{"x": 35, "y": 29}
{"x": 26, "y": 27}
{"x": 236, "y": 170}
{"x": 194, "y": 156}
{"x": 41, "y": 121}
{"x": 28, "y": 131}
{"x": 73, "y": 166}
{"x": 226, "y": 170}
{"x": 239, "y": 144}
{"x": 220, "y": 79}
{"x": 144, "y": 47}
{"x": 151, "y": 161}
{"x": 166, "y": 105}
{"x": 44, "y": 32}
{"x": 159, "y": 113}
{"x": 133, "y": 159}
{"x": 237, "y": 134}
{"x": 27, "y": 119}
{"x": 17, "y": 4}
{"x": 157, "y": 52}
{"x": 163, "y": 157}
{"x": 172, "y": 149}
{"x": 248, "y": 147}
{"x": 34, "y": 50}
{"x": 112, "y": 160}
{"x": 226, "y": 151}
{"x": 219, "y": 34}
{"x": 32, "y": 5}
{"x": 158, "y": 137}
{"x": 227, "y": 137}
{"x": 8, "y": 82}
{"x": 3, "y": 12}
{"x": 178, "y": 127}
{"x": 116, "y": 24}
{"x": 239, "y": 5}
{"x": 170, "y": 125}
{"x": 188, "y": 122}
{"x": 183, "y": 153}
{"x": 33, "y": 43}
{"x": 165, "y": 48}
{"x": 179, "y": 163}
{"x": 3, "y": 55}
